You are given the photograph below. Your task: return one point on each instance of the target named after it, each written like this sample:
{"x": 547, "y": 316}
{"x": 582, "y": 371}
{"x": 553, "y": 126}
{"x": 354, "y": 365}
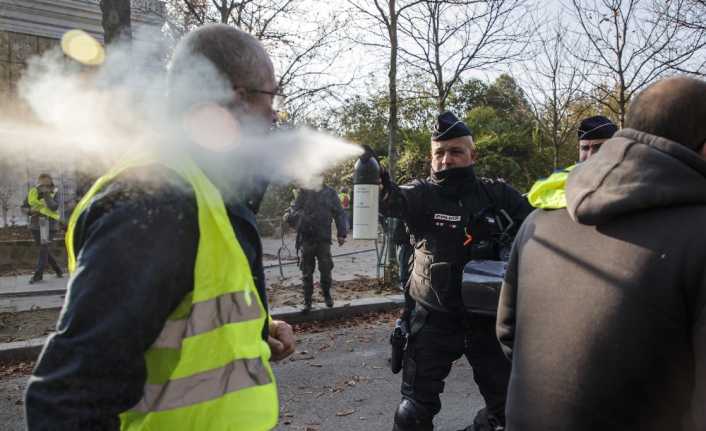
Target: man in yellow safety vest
{"x": 548, "y": 193}
{"x": 41, "y": 206}
{"x": 165, "y": 325}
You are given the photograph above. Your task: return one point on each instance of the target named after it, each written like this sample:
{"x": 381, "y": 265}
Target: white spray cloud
{"x": 103, "y": 114}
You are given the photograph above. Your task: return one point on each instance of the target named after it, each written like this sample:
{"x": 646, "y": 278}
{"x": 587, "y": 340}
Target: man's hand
{"x": 281, "y": 340}
{"x": 341, "y": 240}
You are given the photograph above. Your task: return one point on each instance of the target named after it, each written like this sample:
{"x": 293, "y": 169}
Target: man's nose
{"x": 447, "y": 160}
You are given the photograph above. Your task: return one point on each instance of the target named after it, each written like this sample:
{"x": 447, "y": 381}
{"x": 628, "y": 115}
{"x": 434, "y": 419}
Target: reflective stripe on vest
{"x": 209, "y": 367}
{"x": 549, "y": 193}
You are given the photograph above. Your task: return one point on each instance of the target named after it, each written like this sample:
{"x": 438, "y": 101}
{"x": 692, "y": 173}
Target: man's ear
{"x": 239, "y": 96}
{"x": 474, "y": 156}
{"x": 212, "y": 127}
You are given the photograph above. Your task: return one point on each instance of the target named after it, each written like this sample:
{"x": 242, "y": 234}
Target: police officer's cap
{"x": 597, "y": 127}
{"x": 449, "y": 127}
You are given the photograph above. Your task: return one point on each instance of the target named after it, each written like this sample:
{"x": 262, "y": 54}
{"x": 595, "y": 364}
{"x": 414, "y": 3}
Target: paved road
{"x": 337, "y": 380}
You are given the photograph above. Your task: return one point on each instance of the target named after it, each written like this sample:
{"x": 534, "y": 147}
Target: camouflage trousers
{"x": 311, "y": 252}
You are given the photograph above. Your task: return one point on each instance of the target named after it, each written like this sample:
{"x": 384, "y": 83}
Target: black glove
{"x": 384, "y": 174}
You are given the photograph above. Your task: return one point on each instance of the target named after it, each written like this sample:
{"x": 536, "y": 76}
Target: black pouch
{"x": 480, "y": 289}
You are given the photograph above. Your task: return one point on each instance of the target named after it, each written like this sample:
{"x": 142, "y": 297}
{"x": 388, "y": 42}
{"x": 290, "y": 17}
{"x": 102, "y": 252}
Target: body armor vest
{"x": 454, "y": 230}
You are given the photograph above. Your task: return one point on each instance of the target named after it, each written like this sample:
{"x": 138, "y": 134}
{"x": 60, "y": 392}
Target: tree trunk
{"x": 392, "y": 121}
{"x": 116, "y": 20}
{"x": 390, "y": 268}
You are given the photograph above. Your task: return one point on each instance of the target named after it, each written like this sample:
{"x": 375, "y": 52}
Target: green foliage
{"x": 508, "y": 142}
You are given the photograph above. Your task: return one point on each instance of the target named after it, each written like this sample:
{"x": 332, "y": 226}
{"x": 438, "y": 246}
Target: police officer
{"x": 452, "y": 217}
{"x": 548, "y": 193}
{"x": 311, "y": 214}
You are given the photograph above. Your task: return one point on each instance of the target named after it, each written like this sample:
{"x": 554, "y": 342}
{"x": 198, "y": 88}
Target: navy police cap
{"x": 597, "y": 127}
{"x": 449, "y": 127}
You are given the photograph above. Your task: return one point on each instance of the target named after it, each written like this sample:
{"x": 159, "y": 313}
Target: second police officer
{"x": 453, "y": 217}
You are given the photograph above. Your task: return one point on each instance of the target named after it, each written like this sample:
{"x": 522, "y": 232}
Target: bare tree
{"x": 304, "y": 45}
{"x": 446, "y": 39}
{"x": 687, "y": 13}
{"x": 554, "y": 85}
{"x": 631, "y": 43}
{"x": 384, "y": 16}
{"x": 116, "y": 20}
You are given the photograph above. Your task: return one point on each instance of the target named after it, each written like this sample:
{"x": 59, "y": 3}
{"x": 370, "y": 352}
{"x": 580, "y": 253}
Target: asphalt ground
{"x": 338, "y": 379}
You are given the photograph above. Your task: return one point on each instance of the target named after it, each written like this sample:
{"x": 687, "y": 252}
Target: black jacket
{"x": 312, "y": 212}
{"x": 136, "y": 247}
{"x": 442, "y": 213}
{"x": 603, "y": 310}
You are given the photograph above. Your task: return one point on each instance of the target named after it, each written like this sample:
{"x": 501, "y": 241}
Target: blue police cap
{"x": 449, "y": 127}
{"x": 597, "y": 127}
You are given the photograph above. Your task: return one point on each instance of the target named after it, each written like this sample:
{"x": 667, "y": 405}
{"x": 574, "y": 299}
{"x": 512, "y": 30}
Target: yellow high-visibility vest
{"x": 345, "y": 200}
{"x": 209, "y": 368}
{"x": 549, "y": 193}
{"x": 38, "y": 205}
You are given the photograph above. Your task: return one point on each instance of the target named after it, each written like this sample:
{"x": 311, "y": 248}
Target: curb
{"x": 340, "y": 311}
{"x": 17, "y": 351}
{"x": 28, "y": 350}
{"x": 26, "y": 294}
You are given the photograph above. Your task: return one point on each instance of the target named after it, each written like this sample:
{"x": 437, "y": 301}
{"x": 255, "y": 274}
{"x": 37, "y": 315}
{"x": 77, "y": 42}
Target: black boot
{"x": 327, "y": 298}
{"x": 485, "y": 422}
{"x": 410, "y": 417}
{"x": 36, "y": 278}
{"x": 308, "y": 293}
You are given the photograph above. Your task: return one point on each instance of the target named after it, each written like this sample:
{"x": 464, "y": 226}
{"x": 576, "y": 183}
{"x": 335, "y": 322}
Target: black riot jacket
{"x": 454, "y": 217}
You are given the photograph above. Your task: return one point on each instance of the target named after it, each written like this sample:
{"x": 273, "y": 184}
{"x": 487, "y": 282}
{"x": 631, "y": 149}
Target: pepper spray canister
{"x": 366, "y": 190}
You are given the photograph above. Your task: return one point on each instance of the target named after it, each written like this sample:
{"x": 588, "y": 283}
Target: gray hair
{"x": 212, "y": 59}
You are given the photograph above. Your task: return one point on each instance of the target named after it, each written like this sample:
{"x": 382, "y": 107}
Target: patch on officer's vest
{"x": 446, "y": 217}
{"x": 446, "y": 220}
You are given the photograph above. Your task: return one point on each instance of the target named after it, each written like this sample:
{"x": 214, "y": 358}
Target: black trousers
{"x": 437, "y": 341}
{"x": 313, "y": 251}
{"x": 44, "y": 255}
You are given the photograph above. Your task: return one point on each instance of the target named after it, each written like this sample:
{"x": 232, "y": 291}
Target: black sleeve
{"x": 505, "y": 323}
{"x": 516, "y": 205}
{"x": 405, "y": 202}
{"x": 698, "y": 334}
{"x": 294, "y": 212}
{"x": 135, "y": 254}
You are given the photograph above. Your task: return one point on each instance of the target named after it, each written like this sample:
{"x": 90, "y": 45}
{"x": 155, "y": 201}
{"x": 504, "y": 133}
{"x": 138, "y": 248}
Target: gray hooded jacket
{"x": 603, "y": 310}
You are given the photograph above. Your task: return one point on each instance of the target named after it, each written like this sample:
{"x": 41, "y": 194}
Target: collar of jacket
{"x": 454, "y": 181}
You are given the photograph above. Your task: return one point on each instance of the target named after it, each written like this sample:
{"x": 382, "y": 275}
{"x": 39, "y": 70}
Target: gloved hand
{"x": 384, "y": 174}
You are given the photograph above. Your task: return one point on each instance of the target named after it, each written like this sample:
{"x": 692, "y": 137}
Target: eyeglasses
{"x": 278, "y": 98}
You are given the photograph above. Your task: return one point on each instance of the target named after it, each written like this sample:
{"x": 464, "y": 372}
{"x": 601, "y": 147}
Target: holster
{"x": 398, "y": 343}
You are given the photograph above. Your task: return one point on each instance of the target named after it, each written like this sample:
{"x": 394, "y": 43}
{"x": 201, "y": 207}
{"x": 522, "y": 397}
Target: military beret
{"x": 597, "y": 127}
{"x": 449, "y": 127}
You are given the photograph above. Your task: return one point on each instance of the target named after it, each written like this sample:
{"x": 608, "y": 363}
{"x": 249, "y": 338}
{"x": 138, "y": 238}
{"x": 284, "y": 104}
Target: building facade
{"x": 29, "y": 28}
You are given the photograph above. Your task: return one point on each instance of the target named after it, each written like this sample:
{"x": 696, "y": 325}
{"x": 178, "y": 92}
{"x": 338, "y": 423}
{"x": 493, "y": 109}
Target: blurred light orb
{"x": 82, "y": 47}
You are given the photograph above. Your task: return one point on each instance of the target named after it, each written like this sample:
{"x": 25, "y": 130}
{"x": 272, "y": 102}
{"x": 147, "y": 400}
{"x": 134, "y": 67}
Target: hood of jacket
{"x": 635, "y": 171}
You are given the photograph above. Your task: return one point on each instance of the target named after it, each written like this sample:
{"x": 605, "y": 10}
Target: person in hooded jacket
{"x": 603, "y": 309}
{"x": 453, "y": 217}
